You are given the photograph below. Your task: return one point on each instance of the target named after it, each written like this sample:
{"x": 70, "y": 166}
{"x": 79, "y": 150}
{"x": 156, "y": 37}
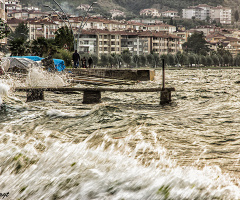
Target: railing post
{"x": 163, "y": 74}
{"x": 165, "y": 97}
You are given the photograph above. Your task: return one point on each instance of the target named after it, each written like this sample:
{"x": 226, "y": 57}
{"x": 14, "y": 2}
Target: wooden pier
{"x": 92, "y": 95}
{"x": 120, "y": 74}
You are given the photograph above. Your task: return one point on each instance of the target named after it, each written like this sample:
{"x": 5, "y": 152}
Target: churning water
{"x": 127, "y": 147}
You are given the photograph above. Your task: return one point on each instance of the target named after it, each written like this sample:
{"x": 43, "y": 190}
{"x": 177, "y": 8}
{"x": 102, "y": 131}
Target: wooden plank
{"x": 93, "y": 89}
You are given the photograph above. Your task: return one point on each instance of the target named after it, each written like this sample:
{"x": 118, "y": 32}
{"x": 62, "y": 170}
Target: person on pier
{"x": 76, "y": 59}
{"x": 84, "y": 62}
{"x": 90, "y": 62}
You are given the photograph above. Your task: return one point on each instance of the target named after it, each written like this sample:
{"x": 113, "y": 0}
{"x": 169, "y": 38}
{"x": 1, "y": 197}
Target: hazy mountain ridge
{"x": 134, "y": 6}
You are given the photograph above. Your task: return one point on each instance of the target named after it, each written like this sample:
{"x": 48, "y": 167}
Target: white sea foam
{"x": 37, "y": 77}
{"x": 4, "y": 88}
{"x": 74, "y": 171}
{"x": 58, "y": 113}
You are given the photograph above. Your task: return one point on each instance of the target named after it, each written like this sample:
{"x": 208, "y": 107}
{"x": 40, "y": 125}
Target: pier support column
{"x": 91, "y": 97}
{"x": 165, "y": 97}
{"x": 35, "y": 95}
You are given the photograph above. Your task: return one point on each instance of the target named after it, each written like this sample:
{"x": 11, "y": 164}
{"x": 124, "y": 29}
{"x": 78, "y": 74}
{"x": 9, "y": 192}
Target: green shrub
{"x": 64, "y": 55}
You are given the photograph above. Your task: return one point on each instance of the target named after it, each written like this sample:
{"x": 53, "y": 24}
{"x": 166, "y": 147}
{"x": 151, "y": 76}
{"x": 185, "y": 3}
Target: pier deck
{"x": 92, "y": 95}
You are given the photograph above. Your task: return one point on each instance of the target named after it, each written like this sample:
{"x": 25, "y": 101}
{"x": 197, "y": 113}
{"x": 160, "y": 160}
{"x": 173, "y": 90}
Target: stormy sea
{"x": 128, "y": 147}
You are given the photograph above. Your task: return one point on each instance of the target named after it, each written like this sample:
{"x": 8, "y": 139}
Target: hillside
{"x": 132, "y": 6}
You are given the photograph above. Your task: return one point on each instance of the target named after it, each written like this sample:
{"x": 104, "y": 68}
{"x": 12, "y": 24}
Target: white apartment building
{"x": 3, "y": 16}
{"x": 150, "y": 12}
{"x": 221, "y": 14}
{"x": 170, "y": 13}
{"x": 203, "y": 11}
{"x": 116, "y": 13}
{"x": 13, "y": 5}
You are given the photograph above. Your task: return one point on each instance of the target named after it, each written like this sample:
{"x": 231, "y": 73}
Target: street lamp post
{"x": 63, "y": 21}
{"x": 76, "y": 41}
{"x": 82, "y": 25}
{"x": 56, "y": 13}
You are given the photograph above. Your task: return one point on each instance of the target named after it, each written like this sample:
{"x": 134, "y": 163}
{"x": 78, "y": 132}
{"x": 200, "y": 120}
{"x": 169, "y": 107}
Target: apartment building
{"x": 3, "y": 16}
{"x": 170, "y": 13}
{"x": 183, "y": 36}
{"x": 13, "y": 5}
{"x": 161, "y": 28}
{"x": 137, "y": 42}
{"x": 117, "y": 13}
{"x": 37, "y": 28}
{"x": 221, "y": 14}
{"x": 150, "y": 12}
{"x": 161, "y": 43}
{"x": 203, "y": 12}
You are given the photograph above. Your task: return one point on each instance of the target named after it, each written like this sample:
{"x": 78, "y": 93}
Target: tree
{"x": 95, "y": 59}
{"x": 236, "y": 15}
{"x": 237, "y": 60}
{"x": 196, "y": 43}
{"x": 64, "y": 36}
{"x": 111, "y": 60}
{"x": 203, "y": 60}
{"x": 171, "y": 59}
{"x": 142, "y": 60}
{"x": 191, "y": 59}
{"x": 21, "y": 32}
{"x": 150, "y": 59}
{"x": 18, "y": 47}
{"x": 209, "y": 60}
{"x": 165, "y": 58}
{"x": 4, "y": 29}
{"x": 156, "y": 59}
{"x": 215, "y": 60}
{"x": 126, "y": 58}
{"x": 104, "y": 59}
{"x": 136, "y": 60}
{"x": 40, "y": 46}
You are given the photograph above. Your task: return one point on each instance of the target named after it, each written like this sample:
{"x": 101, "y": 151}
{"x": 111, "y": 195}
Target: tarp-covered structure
{"x": 18, "y": 64}
{"x": 24, "y": 62}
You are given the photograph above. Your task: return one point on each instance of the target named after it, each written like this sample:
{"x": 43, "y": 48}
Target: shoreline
{"x": 198, "y": 68}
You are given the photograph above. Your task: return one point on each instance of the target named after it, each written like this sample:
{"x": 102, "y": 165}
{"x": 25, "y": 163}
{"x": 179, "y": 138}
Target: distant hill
{"x": 132, "y": 6}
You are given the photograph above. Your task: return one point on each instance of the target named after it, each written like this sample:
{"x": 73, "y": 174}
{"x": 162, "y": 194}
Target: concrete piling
{"x": 165, "y": 96}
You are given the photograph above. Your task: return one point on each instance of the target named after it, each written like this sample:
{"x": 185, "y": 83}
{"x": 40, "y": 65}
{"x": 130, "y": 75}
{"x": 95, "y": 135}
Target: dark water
{"x": 128, "y": 146}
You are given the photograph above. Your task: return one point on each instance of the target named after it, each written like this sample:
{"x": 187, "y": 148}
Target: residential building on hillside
{"x": 3, "y": 16}
{"x": 201, "y": 12}
{"x": 117, "y": 13}
{"x": 150, "y": 12}
{"x": 13, "y": 5}
{"x": 221, "y": 15}
{"x": 85, "y": 7}
{"x": 205, "y": 12}
{"x": 37, "y": 28}
{"x": 232, "y": 45}
{"x": 134, "y": 42}
{"x": 170, "y": 13}
{"x": 138, "y": 43}
{"x": 207, "y": 30}
{"x": 162, "y": 28}
{"x": 183, "y": 36}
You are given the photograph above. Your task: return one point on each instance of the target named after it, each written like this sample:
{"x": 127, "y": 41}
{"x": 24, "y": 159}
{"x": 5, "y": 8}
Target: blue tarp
{"x": 59, "y": 64}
